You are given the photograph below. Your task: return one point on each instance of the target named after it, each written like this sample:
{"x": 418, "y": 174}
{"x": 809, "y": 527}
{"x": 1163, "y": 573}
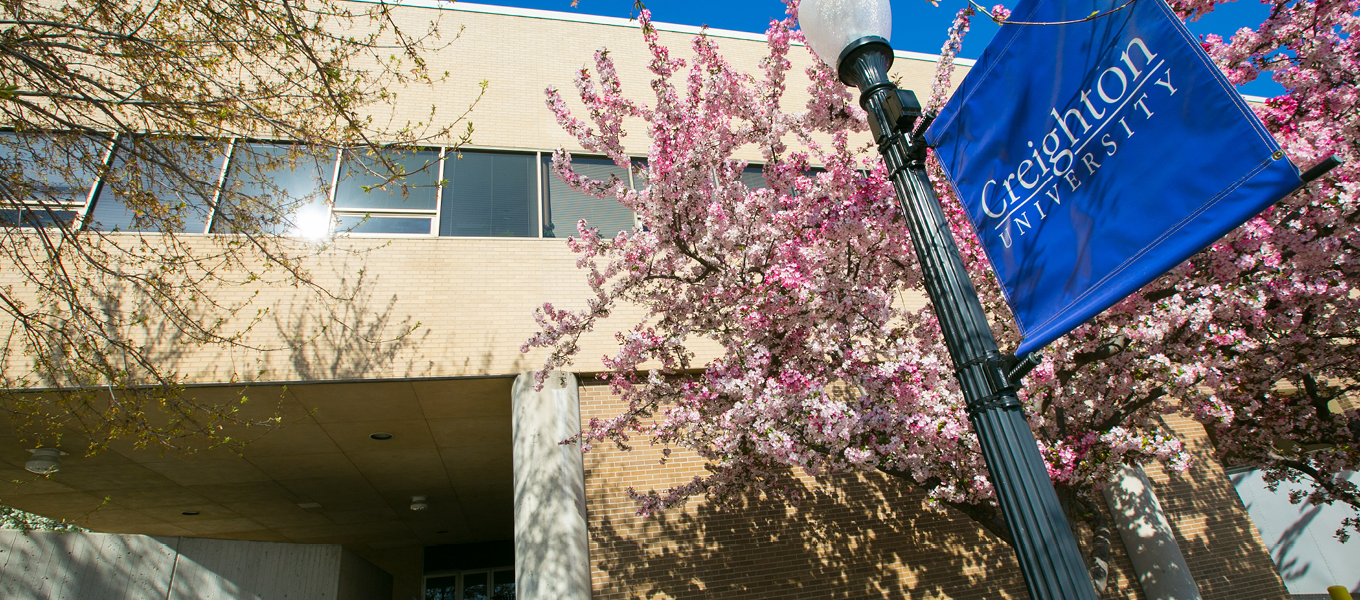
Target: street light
{"x": 854, "y": 33}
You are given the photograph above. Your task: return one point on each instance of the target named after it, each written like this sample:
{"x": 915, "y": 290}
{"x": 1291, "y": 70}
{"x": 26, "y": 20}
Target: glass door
{"x": 497, "y": 584}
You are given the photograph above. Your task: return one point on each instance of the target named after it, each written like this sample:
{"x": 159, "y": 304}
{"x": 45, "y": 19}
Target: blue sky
{"x": 917, "y": 25}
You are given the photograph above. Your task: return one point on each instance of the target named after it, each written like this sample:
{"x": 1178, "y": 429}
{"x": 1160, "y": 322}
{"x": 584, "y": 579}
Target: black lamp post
{"x": 855, "y": 32}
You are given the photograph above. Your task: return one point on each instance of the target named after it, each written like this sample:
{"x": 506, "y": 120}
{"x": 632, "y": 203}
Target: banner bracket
{"x": 1018, "y": 367}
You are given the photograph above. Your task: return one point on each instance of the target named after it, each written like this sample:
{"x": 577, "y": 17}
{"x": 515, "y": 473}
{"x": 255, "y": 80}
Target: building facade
{"x": 407, "y": 441}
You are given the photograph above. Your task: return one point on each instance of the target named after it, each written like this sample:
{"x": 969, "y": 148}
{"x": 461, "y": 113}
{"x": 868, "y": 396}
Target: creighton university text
{"x": 1117, "y": 104}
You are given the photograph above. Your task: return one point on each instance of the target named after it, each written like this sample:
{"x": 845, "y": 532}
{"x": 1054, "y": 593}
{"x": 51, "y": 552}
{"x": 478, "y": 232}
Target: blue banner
{"x": 1093, "y": 157}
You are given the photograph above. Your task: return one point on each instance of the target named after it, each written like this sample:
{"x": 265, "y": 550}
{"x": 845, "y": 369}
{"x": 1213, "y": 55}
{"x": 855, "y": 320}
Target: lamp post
{"x": 854, "y": 33}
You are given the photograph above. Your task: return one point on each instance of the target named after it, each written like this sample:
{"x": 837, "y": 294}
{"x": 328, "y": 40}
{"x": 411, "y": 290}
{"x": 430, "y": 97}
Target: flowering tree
{"x": 146, "y": 95}
{"x": 823, "y": 369}
{"x": 13, "y": 518}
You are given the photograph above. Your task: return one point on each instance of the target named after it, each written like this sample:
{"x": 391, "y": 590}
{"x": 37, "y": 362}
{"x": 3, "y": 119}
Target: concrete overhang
{"x": 319, "y": 478}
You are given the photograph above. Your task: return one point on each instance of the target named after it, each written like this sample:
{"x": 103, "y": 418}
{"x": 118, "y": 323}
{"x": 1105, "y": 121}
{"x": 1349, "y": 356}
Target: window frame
{"x": 227, "y": 171}
{"x": 459, "y": 574}
{"x": 81, "y": 209}
{"x": 91, "y": 204}
{"x": 538, "y": 194}
{"x": 231, "y": 154}
{"x": 337, "y": 212}
{"x": 543, "y": 178}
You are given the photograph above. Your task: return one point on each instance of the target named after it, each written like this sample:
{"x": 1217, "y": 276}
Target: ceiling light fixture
{"x": 419, "y": 503}
{"x": 45, "y": 461}
{"x": 380, "y": 436}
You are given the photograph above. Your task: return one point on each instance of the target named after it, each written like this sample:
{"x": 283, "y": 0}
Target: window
{"x": 489, "y": 194}
{"x": 754, "y": 177}
{"x": 498, "y": 584}
{"x": 203, "y": 186}
{"x": 157, "y": 184}
{"x": 366, "y": 201}
{"x": 277, "y": 188}
{"x": 563, "y": 206}
{"x": 45, "y": 179}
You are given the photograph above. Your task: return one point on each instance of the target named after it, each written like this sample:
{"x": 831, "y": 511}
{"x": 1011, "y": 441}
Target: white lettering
{"x": 1124, "y": 56}
{"x": 1089, "y": 160}
{"x": 1126, "y": 127}
{"x": 1167, "y": 83}
{"x": 1020, "y": 174}
{"x": 1039, "y": 160}
{"x": 1123, "y": 85}
{"x": 1140, "y": 104}
{"x": 1108, "y": 142}
{"x": 1062, "y": 122}
{"x": 986, "y": 209}
{"x": 1086, "y": 99}
{"x": 1053, "y": 155}
{"x": 1010, "y": 191}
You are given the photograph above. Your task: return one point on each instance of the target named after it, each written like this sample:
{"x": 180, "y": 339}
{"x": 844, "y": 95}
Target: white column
{"x": 552, "y": 550}
{"x": 1147, "y": 536}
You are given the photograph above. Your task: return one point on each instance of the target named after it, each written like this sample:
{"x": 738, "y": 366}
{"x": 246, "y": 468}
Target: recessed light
{"x": 190, "y": 513}
{"x": 380, "y": 436}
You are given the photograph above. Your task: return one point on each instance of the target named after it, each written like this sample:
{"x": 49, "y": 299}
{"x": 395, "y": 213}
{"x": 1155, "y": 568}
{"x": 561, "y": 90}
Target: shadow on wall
{"x": 43, "y": 565}
{"x": 334, "y": 332}
{"x": 1216, "y": 536}
{"x": 856, "y": 536}
{"x": 1293, "y": 567}
{"x": 1301, "y": 537}
{"x": 40, "y": 565}
{"x": 353, "y": 338}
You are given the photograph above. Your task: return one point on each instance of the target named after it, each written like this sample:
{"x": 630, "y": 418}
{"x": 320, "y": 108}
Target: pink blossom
{"x": 822, "y": 366}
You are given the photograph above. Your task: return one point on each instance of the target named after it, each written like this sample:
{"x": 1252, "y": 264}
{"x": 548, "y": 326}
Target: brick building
{"x": 369, "y": 430}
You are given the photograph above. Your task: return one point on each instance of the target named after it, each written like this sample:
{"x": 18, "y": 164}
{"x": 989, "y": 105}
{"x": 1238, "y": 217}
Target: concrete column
{"x": 552, "y": 551}
{"x": 1147, "y": 536}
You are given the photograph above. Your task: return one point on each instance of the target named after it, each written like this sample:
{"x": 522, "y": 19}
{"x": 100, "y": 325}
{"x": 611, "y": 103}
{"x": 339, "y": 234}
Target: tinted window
{"x": 159, "y": 185}
{"x": 474, "y": 586}
{"x": 278, "y": 189}
{"x": 565, "y": 206}
{"x": 381, "y": 223}
{"x": 46, "y": 169}
{"x": 754, "y": 177}
{"x": 405, "y": 181}
{"x": 441, "y": 588}
{"x": 489, "y": 194}
{"x": 504, "y": 588}
{"x": 37, "y": 216}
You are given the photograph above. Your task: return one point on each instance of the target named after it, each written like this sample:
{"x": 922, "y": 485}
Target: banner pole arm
{"x": 1320, "y": 169}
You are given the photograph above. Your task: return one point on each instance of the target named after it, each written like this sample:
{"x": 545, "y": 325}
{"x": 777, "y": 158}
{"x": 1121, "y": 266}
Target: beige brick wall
{"x": 869, "y": 536}
{"x": 1221, "y": 545}
{"x": 520, "y": 57}
{"x": 470, "y": 302}
{"x": 854, "y": 536}
{"x": 472, "y": 298}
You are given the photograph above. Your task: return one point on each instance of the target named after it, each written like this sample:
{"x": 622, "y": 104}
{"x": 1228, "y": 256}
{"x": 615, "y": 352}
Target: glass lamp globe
{"x": 830, "y": 25}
